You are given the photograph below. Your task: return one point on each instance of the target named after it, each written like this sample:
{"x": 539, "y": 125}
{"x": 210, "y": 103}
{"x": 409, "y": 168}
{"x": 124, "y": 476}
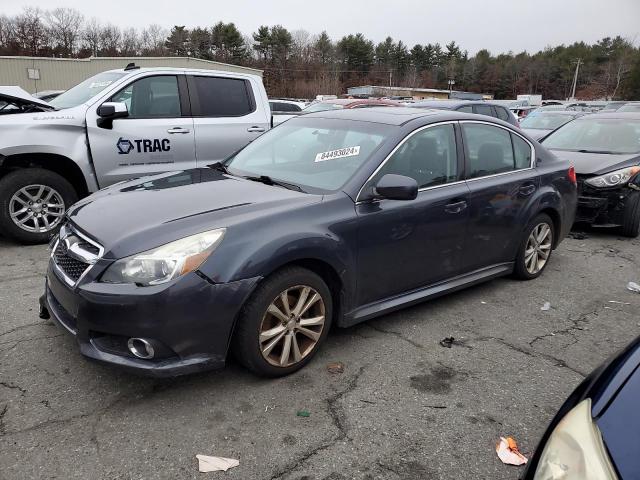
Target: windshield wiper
{"x": 221, "y": 167}
{"x": 267, "y": 180}
{"x": 605, "y": 152}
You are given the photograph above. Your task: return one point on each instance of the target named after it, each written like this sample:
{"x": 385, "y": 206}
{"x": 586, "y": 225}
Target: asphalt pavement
{"x": 404, "y": 408}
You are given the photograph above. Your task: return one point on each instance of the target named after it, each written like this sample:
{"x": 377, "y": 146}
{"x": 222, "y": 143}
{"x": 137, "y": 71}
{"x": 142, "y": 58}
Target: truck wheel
{"x": 631, "y": 216}
{"x": 284, "y": 322}
{"x": 535, "y": 250}
{"x": 33, "y": 202}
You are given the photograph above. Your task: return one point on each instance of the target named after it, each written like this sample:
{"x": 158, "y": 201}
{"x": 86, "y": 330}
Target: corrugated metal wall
{"x": 61, "y": 74}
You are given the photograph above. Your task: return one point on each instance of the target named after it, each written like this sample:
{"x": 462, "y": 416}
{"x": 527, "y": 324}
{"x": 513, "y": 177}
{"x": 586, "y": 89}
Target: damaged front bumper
{"x": 602, "y": 207}
{"x": 189, "y": 322}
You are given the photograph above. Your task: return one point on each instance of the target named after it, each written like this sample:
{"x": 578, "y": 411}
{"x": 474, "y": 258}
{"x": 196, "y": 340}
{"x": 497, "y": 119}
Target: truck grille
{"x": 70, "y": 266}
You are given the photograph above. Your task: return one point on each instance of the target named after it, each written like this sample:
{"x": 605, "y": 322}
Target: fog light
{"x": 141, "y": 348}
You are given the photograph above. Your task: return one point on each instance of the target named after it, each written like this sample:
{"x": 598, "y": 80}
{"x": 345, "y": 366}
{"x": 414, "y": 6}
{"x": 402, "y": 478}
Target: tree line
{"x": 297, "y": 63}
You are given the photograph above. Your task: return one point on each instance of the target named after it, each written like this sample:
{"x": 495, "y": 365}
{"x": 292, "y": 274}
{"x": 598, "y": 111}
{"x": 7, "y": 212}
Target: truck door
{"x": 226, "y": 116}
{"x": 157, "y": 136}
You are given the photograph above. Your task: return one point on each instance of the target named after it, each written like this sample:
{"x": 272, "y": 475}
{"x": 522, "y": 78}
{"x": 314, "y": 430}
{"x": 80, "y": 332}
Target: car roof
{"x": 393, "y": 116}
{"x": 359, "y": 101}
{"x": 452, "y": 103}
{"x": 616, "y": 114}
{"x": 561, "y": 112}
{"x": 184, "y": 70}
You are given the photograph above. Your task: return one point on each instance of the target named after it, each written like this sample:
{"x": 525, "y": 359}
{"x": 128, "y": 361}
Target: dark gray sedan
{"x": 331, "y": 218}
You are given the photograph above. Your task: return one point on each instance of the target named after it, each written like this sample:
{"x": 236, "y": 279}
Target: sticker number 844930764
{"x": 339, "y": 153}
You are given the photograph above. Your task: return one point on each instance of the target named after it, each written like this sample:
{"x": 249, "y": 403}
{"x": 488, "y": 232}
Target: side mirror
{"x": 397, "y": 187}
{"x": 109, "y": 111}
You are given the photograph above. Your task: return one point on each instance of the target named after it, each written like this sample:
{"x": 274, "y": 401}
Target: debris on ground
{"x": 619, "y": 303}
{"x": 447, "y": 342}
{"x": 303, "y": 413}
{"x": 335, "y": 367}
{"x": 215, "y": 464}
{"x": 483, "y": 302}
{"x": 507, "y": 450}
{"x": 546, "y": 306}
{"x": 634, "y": 287}
{"x": 578, "y": 235}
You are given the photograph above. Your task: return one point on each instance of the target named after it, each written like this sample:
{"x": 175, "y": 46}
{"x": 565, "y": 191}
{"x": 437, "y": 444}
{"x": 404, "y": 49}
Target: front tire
{"x": 631, "y": 216}
{"x": 284, "y": 323}
{"x": 33, "y": 202}
{"x": 536, "y": 248}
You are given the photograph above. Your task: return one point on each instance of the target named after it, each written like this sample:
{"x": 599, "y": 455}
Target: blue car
{"x": 329, "y": 219}
{"x": 596, "y": 433}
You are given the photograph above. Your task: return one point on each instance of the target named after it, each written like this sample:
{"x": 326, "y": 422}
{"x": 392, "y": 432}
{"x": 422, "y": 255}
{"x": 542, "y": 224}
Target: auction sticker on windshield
{"x": 339, "y": 153}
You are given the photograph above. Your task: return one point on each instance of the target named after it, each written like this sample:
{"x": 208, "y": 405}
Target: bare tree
{"x": 130, "y": 45}
{"x": 92, "y": 36}
{"x": 7, "y": 34}
{"x": 65, "y": 27}
{"x": 110, "y": 37}
{"x": 30, "y": 31}
{"x": 152, "y": 40}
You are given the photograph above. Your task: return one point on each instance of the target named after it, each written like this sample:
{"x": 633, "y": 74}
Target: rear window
{"x": 502, "y": 113}
{"x": 221, "y": 97}
{"x": 483, "y": 110}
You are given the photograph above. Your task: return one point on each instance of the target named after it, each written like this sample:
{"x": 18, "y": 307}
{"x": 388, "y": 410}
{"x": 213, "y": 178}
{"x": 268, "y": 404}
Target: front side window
{"x": 315, "y": 154}
{"x": 489, "y": 150}
{"x": 428, "y": 156}
{"x": 222, "y": 97}
{"x": 151, "y": 97}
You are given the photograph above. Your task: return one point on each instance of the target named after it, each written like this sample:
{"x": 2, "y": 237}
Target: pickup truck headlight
{"x": 575, "y": 450}
{"x": 613, "y": 179}
{"x": 166, "y": 262}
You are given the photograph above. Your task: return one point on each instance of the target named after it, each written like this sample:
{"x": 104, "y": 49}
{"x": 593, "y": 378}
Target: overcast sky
{"x": 498, "y": 25}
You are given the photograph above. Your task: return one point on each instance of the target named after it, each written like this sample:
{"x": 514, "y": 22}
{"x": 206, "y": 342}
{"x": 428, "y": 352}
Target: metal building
{"x": 37, "y": 74}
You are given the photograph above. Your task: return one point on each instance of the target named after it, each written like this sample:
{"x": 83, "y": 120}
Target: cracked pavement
{"x": 404, "y": 408}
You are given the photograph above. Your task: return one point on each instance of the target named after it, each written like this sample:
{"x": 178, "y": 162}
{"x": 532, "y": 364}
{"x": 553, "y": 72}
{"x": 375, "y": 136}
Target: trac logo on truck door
{"x": 143, "y": 145}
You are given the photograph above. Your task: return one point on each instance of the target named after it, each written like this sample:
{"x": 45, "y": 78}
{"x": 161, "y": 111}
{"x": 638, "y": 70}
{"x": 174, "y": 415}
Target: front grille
{"x": 70, "y": 266}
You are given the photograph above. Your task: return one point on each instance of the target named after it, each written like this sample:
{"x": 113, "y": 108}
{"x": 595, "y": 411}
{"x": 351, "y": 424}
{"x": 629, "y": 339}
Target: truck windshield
{"x": 86, "y": 90}
{"x": 317, "y": 155}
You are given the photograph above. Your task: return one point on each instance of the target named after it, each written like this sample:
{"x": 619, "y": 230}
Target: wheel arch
{"x": 63, "y": 166}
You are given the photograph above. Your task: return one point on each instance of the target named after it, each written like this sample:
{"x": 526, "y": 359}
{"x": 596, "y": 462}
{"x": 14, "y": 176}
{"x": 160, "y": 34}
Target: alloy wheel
{"x": 36, "y": 208}
{"x": 292, "y": 326}
{"x": 538, "y": 248}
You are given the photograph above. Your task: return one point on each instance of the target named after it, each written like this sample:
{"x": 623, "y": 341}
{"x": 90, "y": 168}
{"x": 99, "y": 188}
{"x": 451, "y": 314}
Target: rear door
{"x": 226, "y": 116}
{"x": 408, "y": 244}
{"x": 156, "y": 137}
{"x": 502, "y": 181}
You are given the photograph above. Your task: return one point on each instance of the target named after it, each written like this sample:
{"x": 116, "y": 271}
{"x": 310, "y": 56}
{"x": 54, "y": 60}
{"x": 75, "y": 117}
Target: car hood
{"x": 536, "y": 133}
{"x": 17, "y": 94}
{"x": 597, "y": 163}
{"x": 137, "y": 215}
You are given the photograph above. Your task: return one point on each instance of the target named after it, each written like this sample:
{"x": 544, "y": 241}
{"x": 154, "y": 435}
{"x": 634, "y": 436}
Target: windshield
{"x": 316, "y": 154}
{"x": 630, "y": 107}
{"x": 322, "y": 107}
{"x": 597, "y": 135}
{"x": 540, "y": 121}
{"x": 86, "y": 90}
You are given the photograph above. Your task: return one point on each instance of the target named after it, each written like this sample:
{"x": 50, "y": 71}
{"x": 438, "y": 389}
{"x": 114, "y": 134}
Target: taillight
{"x": 571, "y": 174}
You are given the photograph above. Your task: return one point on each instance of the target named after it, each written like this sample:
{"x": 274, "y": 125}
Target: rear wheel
{"x": 535, "y": 249}
{"x": 33, "y": 202}
{"x": 284, "y": 323}
{"x": 631, "y": 216}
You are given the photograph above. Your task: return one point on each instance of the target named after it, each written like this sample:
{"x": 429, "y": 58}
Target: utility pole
{"x": 575, "y": 78}
{"x": 451, "y": 83}
{"x": 390, "y": 72}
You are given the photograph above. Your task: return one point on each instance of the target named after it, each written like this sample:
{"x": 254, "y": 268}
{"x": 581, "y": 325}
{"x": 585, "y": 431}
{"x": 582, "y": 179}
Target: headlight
{"x": 612, "y": 179}
{"x": 575, "y": 450}
{"x": 166, "y": 262}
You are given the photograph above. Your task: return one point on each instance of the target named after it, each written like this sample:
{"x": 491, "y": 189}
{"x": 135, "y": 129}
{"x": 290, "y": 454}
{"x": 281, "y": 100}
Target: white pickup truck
{"x": 114, "y": 126}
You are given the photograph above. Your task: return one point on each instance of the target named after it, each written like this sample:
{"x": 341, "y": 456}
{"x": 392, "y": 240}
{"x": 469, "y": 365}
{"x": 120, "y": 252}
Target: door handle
{"x": 178, "y": 130}
{"x": 256, "y": 129}
{"x": 527, "y": 189}
{"x": 455, "y": 207}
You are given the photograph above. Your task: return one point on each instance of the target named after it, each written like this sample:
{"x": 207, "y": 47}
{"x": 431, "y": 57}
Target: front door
{"x": 501, "y": 182}
{"x": 404, "y": 245}
{"x": 156, "y": 137}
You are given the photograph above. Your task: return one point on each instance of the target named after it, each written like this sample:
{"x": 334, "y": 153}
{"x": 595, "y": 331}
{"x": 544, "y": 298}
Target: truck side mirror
{"x": 109, "y": 111}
